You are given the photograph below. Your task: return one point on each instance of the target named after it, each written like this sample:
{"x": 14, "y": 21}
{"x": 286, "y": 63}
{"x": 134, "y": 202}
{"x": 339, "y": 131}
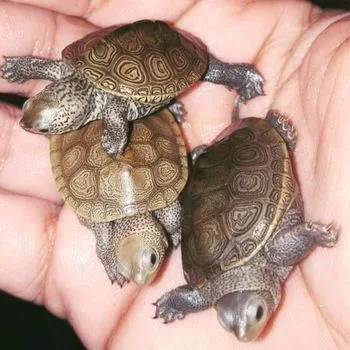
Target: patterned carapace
{"x": 148, "y": 176}
{"x": 242, "y": 188}
{"x": 147, "y": 61}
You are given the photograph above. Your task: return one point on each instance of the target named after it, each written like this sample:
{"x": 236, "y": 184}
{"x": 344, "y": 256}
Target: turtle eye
{"x": 149, "y": 259}
{"x": 256, "y": 312}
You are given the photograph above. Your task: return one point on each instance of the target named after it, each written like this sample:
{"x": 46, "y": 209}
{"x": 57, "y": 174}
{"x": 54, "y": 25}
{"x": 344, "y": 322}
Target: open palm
{"x": 47, "y": 257}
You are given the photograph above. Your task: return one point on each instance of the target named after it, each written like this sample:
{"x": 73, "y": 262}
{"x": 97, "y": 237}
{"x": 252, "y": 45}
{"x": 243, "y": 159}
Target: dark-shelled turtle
{"x": 119, "y": 74}
{"x": 244, "y": 227}
{"x": 127, "y": 200}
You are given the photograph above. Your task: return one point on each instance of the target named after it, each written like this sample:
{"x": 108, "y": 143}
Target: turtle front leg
{"x": 293, "y": 244}
{"x": 242, "y": 77}
{"x": 105, "y": 248}
{"x": 171, "y": 218}
{"x": 115, "y": 126}
{"x": 175, "y": 304}
{"x": 20, "y": 69}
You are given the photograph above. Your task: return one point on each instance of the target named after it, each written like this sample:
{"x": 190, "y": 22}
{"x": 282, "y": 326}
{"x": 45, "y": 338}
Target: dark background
{"x": 24, "y": 325}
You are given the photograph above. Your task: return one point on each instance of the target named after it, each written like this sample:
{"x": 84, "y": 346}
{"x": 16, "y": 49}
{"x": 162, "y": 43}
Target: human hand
{"x": 47, "y": 257}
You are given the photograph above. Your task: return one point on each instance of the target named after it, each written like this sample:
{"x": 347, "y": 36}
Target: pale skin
{"x": 46, "y": 256}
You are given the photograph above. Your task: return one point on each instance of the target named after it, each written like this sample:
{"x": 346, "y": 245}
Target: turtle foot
{"x": 252, "y": 85}
{"x": 12, "y": 69}
{"x": 242, "y": 77}
{"x": 324, "y": 235}
{"x": 114, "y": 275}
{"x": 177, "y": 303}
{"x": 167, "y": 307}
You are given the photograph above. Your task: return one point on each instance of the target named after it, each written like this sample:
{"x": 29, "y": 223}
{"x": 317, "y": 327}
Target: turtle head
{"x": 141, "y": 254}
{"x": 245, "y": 313}
{"x": 54, "y": 110}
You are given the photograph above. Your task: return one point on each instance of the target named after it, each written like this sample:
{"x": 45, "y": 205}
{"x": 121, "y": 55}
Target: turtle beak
{"x": 140, "y": 278}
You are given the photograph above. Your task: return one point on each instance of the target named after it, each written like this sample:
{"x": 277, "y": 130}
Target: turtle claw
{"x": 119, "y": 279}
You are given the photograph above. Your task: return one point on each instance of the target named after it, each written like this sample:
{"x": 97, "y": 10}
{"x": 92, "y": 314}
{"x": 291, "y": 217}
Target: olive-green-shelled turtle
{"x": 121, "y": 73}
{"x": 244, "y": 228}
{"x": 130, "y": 201}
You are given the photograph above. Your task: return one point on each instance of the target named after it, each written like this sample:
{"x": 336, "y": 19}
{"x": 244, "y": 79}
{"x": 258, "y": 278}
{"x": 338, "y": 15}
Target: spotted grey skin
{"x": 133, "y": 248}
{"x": 130, "y": 201}
{"x": 244, "y": 228}
{"x": 120, "y": 74}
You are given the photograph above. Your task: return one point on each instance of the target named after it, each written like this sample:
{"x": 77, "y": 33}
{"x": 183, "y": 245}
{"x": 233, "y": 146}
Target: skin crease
{"x": 47, "y": 257}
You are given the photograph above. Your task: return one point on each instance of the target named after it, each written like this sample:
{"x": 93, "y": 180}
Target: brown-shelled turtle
{"x": 119, "y": 74}
{"x": 128, "y": 200}
{"x": 244, "y": 228}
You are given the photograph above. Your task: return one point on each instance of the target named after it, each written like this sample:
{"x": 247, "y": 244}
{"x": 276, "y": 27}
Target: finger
{"x": 327, "y": 193}
{"x": 202, "y": 330}
{"x": 104, "y": 13}
{"x": 27, "y": 233}
{"x": 78, "y": 283}
{"x": 27, "y": 30}
{"x": 235, "y": 32}
{"x": 216, "y": 101}
{"x": 315, "y": 96}
{"x": 25, "y": 164}
{"x": 54, "y": 263}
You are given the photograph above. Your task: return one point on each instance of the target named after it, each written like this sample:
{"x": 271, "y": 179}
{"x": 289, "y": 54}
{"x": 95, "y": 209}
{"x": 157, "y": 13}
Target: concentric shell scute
{"x": 237, "y": 194}
{"x": 149, "y": 175}
{"x": 145, "y": 60}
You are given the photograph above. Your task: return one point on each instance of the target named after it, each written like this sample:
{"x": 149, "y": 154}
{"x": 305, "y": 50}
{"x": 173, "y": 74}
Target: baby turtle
{"x": 128, "y": 200}
{"x": 120, "y": 74}
{"x": 244, "y": 228}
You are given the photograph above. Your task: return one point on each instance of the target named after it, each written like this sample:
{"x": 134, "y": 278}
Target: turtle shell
{"x": 145, "y": 60}
{"x": 149, "y": 175}
{"x": 237, "y": 195}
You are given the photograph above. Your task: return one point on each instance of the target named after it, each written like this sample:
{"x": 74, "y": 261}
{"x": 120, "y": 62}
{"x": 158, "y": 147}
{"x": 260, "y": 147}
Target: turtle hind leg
{"x": 20, "y": 69}
{"x": 293, "y": 244}
{"x": 284, "y": 127}
{"x": 175, "y": 304}
{"x": 242, "y": 77}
